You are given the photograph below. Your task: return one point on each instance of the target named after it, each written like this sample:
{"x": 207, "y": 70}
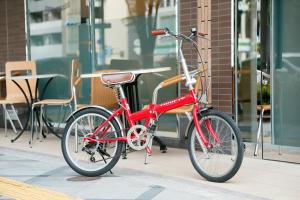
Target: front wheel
{"x": 91, "y": 158}
{"x": 220, "y": 161}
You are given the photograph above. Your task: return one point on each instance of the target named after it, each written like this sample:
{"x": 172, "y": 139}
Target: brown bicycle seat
{"x": 117, "y": 78}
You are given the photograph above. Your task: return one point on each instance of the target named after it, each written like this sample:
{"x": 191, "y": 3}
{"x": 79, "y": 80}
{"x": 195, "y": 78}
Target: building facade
{"x": 252, "y": 48}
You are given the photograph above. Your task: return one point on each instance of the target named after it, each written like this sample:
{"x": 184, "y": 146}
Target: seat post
{"x": 121, "y": 91}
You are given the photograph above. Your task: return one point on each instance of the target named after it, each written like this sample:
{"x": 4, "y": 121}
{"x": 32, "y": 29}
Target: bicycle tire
{"x": 70, "y": 130}
{"x": 233, "y": 140}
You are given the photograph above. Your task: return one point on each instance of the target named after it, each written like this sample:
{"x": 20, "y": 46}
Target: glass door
{"x": 285, "y": 71}
{"x": 246, "y": 67}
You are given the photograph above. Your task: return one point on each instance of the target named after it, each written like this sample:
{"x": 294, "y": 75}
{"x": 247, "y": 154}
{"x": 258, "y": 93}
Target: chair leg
{"x": 11, "y": 122}
{"x": 32, "y": 126}
{"x": 76, "y": 129}
{"x": 178, "y": 125}
{"x": 188, "y": 115}
{"x": 76, "y": 138}
{"x": 18, "y": 119}
{"x": 259, "y": 131}
{"x": 44, "y": 117}
{"x": 61, "y": 108}
{"x": 41, "y": 122}
{"x": 5, "y": 119}
{"x": 71, "y": 109}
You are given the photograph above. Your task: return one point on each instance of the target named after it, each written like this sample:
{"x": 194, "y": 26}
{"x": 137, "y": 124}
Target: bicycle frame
{"x": 152, "y": 111}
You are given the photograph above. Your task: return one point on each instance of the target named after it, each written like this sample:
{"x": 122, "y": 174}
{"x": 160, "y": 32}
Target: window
{"x": 36, "y": 17}
{"x": 46, "y": 39}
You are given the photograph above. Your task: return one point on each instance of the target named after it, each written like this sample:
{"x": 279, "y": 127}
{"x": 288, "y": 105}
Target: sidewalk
{"x": 255, "y": 180}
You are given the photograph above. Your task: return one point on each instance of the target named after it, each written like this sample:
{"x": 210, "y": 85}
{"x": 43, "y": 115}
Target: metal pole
{"x": 236, "y": 63}
{"x": 102, "y": 34}
{"x": 27, "y": 30}
{"x": 92, "y": 33}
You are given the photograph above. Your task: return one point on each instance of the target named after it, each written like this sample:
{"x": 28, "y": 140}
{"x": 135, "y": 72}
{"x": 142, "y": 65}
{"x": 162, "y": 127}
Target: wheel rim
{"x": 82, "y": 159}
{"x": 221, "y": 158}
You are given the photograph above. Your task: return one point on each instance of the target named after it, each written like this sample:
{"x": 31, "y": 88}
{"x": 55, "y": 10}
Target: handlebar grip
{"x": 158, "y": 32}
{"x": 201, "y": 34}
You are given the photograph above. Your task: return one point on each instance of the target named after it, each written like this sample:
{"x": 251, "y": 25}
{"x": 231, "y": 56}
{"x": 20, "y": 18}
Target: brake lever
{"x": 165, "y": 36}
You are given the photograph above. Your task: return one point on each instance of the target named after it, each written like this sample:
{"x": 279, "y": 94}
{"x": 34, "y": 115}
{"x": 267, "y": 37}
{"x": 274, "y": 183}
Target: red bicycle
{"x": 94, "y": 137}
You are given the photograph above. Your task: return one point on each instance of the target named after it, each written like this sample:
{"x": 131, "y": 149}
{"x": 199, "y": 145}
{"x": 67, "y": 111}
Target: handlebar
{"x": 166, "y": 31}
{"x": 158, "y": 32}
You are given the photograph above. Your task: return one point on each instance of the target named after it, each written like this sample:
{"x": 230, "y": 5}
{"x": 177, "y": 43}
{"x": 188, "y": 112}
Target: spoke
{"x": 221, "y": 129}
{"x": 217, "y": 128}
{"x": 223, "y": 135}
{"x": 91, "y": 124}
{"x": 83, "y": 126}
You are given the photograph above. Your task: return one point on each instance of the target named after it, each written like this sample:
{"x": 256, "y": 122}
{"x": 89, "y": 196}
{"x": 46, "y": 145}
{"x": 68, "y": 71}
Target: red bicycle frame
{"x": 151, "y": 112}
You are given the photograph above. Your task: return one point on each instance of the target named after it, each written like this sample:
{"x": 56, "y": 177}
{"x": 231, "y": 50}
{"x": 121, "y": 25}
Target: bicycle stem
{"x": 189, "y": 81}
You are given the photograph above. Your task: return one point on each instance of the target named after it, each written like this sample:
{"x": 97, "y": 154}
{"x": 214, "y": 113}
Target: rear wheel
{"x": 91, "y": 158}
{"x": 221, "y": 161}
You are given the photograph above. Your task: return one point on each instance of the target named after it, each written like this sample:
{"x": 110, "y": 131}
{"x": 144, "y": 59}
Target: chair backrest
{"x": 13, "y": 93}
{"x": 101, "y": 95}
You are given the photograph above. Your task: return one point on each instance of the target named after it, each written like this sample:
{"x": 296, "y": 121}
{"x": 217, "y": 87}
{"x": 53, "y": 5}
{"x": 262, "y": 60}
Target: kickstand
{"x": 148, "y": 151}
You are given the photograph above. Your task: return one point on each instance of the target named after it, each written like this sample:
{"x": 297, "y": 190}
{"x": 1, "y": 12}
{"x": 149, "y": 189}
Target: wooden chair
{"x": 14, "y": 94}
{"x": 74, "y": 77}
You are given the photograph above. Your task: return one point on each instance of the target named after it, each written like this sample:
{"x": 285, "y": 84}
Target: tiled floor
{"x": 262, "y": 178}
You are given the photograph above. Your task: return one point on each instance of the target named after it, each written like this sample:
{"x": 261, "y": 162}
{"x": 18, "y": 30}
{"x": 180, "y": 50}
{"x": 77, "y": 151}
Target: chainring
{"x": 138, "y": 137}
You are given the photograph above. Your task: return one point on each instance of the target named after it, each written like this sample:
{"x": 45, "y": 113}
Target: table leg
{"x": 36, "y": 110}
{"x": 131, "y": 97}
{"x": 137, "y": 96}
{"x": 29, "y": 90}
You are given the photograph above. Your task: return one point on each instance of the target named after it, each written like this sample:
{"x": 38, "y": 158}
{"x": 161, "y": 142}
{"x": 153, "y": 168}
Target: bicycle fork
{"x": 200, "y": 136}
